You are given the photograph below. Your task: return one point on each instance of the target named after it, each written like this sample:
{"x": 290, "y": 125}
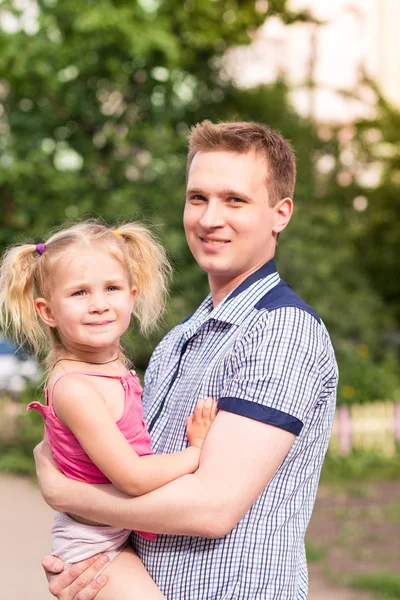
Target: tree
{"x": 93, "y": 121}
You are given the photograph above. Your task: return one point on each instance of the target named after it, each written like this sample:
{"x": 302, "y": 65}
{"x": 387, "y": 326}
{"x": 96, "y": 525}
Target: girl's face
{"x": 91, "y": 301}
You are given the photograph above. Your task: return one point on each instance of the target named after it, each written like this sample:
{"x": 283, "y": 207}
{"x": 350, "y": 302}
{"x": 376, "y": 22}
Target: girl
{"x": 73, "y": 297}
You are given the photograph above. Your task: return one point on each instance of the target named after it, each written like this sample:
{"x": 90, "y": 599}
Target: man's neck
{"x": 221, "y": 287}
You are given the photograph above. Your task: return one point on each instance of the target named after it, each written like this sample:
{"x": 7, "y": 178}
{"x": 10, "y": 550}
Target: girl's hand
{"x": 199, "y": 423}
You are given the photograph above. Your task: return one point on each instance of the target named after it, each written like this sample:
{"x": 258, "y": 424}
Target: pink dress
{"x": 71, "y": 457}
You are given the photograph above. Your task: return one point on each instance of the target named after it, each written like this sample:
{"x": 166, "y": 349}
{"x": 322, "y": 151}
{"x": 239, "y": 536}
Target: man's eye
{"x": 79, "y": 293}
{"x": 197, "y": 198}
{"x": 236, "y": 200}
{"x": 112, "y": 288}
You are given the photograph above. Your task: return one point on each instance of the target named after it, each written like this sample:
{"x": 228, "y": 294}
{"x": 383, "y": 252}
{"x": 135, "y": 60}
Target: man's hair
{"x": 243, "y": 137}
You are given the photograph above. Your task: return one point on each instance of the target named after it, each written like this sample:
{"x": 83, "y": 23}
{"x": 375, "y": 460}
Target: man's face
{"x": 230, "y": 226}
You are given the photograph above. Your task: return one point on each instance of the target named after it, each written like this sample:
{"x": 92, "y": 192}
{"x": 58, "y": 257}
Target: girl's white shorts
{"x": 73, "y": 541}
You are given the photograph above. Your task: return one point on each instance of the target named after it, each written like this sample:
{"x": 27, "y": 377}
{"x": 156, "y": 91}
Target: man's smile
{"x": 213, "y": 241}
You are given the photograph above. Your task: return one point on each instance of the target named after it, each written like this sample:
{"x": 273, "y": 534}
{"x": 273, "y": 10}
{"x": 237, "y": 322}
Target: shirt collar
{"x": 267, "y": 269}
{"x": 240, "y": 301}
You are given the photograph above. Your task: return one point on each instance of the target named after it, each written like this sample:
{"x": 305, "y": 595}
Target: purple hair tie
{"x": 40, "y": 248}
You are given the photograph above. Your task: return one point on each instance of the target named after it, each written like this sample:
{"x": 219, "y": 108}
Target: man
{"x": 235, "y": 527}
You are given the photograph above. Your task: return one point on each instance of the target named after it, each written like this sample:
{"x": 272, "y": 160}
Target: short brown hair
{"x": 243, "y": 137}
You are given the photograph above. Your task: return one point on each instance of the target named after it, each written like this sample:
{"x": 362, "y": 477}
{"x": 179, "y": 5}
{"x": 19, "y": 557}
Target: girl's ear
{"x": 44, "y": 311}
{"x": 134, "y": 292}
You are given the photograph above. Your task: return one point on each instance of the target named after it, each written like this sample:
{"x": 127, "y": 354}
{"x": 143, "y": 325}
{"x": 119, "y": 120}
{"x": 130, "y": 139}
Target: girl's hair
{"x": 25, "y": 273}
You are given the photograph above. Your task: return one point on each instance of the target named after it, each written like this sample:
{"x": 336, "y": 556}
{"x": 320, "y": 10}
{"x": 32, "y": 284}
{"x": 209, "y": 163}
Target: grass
{"x": 348, "y": 534}
{"x": 386, "y": 585}
{"x": 16, "y": 463}
{"x": 314, "y": 553}
{"x": 392, "y": 512}
{"x": 360, "y": 533}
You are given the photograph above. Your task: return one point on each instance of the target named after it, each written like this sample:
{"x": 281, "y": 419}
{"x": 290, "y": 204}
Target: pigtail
{"x": 149, "y": 269}
{"x": 18, "y": 315}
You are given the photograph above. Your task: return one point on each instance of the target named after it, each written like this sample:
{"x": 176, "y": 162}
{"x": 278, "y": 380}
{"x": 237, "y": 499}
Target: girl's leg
{"x": 128, "y": 579}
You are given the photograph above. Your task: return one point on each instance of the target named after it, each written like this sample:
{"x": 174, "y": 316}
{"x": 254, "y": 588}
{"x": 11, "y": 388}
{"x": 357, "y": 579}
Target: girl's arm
{"x": 81, "y": 408}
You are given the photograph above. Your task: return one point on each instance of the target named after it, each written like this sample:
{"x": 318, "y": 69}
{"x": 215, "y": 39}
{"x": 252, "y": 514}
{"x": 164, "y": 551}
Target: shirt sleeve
{"x": 275, "y": 373}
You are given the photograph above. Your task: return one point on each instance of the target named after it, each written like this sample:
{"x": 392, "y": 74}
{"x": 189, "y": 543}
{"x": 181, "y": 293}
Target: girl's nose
{"x": 98, "y": 303}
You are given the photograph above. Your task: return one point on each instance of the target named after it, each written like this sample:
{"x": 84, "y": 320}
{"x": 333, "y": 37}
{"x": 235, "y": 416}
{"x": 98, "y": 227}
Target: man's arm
{"x": 239, "y": 457}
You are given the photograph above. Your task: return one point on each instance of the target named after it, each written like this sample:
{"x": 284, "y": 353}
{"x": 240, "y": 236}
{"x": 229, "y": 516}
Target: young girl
{"x": 73, "y": 297}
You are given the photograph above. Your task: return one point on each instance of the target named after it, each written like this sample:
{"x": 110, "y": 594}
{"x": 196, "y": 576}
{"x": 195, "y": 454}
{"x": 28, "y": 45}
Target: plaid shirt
{"x": 264, "y": 354}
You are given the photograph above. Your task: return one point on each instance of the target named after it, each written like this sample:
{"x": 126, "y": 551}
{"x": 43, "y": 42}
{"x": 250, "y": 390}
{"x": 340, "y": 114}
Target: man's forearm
{"x": 186, "y": 506}
{"x": 181, "y": 507}
{"x": 237, "y": 462}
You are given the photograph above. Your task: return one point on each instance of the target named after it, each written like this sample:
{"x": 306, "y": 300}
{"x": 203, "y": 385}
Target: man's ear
{"x": 44, "y": 311}
{"x": 283, "y": 212}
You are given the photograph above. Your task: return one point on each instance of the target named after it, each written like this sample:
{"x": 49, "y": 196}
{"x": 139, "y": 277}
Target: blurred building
{"x": 16, "y": 368}
{"x": 325, "y": 62}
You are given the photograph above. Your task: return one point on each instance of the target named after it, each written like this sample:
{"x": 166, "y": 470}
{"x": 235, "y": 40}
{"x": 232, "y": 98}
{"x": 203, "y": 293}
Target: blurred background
{"x": 96, "y": 100}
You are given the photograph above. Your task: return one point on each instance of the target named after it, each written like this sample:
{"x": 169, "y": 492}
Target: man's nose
{"x": 213, "y": 215}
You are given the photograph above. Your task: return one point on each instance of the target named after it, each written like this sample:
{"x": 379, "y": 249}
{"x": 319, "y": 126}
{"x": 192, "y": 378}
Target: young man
{"x": 236, "y": 527}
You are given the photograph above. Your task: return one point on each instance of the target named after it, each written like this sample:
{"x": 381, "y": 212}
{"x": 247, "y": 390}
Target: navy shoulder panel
{"x": 282, "y": 295}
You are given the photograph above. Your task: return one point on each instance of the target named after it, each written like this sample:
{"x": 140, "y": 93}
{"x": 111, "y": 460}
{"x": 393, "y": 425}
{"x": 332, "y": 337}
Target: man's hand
{"x": 77, "y": 582}
{"x": 49, "y": 476}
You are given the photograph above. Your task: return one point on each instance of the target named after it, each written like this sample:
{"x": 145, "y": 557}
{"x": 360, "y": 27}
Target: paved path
{"x": 25, "y": 523}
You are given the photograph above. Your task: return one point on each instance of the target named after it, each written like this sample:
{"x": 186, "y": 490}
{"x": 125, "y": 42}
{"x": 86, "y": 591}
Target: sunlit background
{"x": 96, "y": 99}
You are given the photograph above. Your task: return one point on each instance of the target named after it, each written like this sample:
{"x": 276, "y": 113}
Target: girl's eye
{"x": 79, "y": 293}
{"x": 112, "y": 288}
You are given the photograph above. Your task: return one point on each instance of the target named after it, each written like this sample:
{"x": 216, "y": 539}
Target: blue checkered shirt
{"x": 265, "y": 354}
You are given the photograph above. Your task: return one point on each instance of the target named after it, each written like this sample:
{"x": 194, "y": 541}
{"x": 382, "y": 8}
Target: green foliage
{"x": 13, "y": 461}
{"x": 387, "y": 585}
{"x": 360, "y": 465}
{"x": 363, "y": 379}
{"x": 93, "y": 121}
{"x": 378, "y": 241}
{"x": 16, "y": 451}
{"x": 96, "y": 115}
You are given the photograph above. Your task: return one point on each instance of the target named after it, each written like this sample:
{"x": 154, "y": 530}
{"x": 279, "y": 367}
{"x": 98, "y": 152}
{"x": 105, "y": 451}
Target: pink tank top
{"x": 67, "y": 451}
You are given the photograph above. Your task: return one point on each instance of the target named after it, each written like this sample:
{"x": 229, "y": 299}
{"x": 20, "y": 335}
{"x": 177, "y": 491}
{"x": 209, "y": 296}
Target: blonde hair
{"x": 26, "y": 274}
{"x": 247, "y": 136}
